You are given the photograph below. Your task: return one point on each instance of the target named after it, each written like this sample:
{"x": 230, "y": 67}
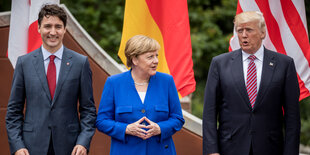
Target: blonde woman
{"x": 140, "y": 108}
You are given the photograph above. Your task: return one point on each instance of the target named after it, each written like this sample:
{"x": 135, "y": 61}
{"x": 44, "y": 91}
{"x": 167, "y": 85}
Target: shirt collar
{"x": 47, "y": 54}
{"x": 259, "y": 54}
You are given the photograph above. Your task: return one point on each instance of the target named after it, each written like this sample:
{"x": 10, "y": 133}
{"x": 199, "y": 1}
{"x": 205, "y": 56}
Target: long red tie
{"x": 252, "y": 81}
{"x": 51, "y": 75}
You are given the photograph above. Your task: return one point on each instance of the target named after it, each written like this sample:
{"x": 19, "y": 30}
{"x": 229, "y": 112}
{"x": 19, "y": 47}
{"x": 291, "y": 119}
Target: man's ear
{"x": 263, "y": 35}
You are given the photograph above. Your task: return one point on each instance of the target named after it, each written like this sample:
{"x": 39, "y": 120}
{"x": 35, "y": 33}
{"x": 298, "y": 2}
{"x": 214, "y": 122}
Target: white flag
{"x": 24, "y": 36}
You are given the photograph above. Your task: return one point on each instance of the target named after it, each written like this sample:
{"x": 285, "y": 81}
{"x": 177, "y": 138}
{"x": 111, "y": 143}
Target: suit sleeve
{"x": 87, "y": 107}
{"x": 291, "y": 111}
{"x": 211, "y": 98}
{"x": 106, "y": 121}
{"x": 15, "y": 117}
{"x": 176, "y": 120}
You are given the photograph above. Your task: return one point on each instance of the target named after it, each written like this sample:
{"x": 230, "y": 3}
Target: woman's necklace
{"x": 141, "y": 84}
{"x": 137, "y": 83}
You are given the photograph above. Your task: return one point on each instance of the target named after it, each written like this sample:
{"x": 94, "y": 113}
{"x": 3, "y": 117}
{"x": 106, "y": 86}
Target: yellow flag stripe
{"x": 138, "y": 20}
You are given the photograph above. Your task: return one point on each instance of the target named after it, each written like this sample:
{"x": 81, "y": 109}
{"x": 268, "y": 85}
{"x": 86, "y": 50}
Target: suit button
{"x": 143, "y": 123}
{"x": 143, "y": 110}
{"x": 166, "y": 146}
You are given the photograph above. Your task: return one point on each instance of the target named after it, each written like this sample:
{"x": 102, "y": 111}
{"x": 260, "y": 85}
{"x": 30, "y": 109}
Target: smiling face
{"x": 250, "y": 36}
{"x": 146, "y": 63}
{"x": 52, "y": 31}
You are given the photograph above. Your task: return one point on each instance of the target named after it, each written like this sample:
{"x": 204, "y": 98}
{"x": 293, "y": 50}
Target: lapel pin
{"x": 68, "y": 63}
{"x": 270, "y": 64}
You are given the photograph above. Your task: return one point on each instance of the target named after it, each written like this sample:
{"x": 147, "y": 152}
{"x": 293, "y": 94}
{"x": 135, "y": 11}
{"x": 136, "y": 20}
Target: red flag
{"x": 286, "y": 33}
{"x": 167, "y": 22}
{"x": 24, "y": 36}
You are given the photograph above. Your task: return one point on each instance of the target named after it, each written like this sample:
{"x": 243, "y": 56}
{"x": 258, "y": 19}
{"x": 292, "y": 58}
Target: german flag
{"x": 167, "y": 22}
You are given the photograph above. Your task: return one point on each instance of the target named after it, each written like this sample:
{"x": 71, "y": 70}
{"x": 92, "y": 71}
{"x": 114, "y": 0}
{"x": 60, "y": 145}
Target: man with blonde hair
{"x": 247, "y": 91}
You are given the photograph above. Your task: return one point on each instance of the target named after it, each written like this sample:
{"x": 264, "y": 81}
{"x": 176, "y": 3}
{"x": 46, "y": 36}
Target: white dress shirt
{"x": 57, "y": 60}
{"x": 258, "y": 63}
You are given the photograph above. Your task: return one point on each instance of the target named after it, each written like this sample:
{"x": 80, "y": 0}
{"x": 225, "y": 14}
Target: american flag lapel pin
{"x": 271, "y": 64}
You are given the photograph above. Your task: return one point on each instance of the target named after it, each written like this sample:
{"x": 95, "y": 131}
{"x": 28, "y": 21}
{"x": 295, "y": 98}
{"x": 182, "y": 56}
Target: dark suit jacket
{"x": 226, "y": 100}
{"x": 45, "y": 117}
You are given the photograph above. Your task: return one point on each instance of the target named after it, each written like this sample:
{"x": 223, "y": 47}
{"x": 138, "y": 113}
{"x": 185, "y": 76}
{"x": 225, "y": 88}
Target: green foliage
{"x": 197, "y": 100}
{"x": 5, "y": 5}
{"x": 103, "y": 20}
{"x": 211, "y": 29}
{"x": 305, "y": 121}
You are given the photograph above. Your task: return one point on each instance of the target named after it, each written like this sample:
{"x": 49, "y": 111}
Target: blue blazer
{"x": 121, "y": 105}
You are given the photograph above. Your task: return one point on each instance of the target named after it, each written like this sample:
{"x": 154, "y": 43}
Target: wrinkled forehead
{"x": 251, "y": 23}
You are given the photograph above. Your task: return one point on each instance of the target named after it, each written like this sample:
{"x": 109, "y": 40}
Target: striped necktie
{"x": 251, "y": 83}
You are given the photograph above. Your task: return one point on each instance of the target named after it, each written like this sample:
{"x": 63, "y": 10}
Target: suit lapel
{"x": 269, "y": 64}
{"x": 150, "y": 89}
{"x": 38, "y": 63}
{"x": 65, "y": 67}
{"x": 238, "y": 76}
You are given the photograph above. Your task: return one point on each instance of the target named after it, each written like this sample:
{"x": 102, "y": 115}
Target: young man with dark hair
{"x": 54, "y": 84}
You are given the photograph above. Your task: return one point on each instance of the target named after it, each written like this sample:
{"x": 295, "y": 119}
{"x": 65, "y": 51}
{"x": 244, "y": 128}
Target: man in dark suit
{"x": 245, "y": 92}
{"x": 51, "y": 82}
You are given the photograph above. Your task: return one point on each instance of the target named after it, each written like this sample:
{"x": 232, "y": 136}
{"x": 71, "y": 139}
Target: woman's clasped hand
{"x": 143, "y": 131}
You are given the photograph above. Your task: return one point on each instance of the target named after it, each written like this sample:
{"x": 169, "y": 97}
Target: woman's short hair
{"x": 250, "y": 16}
{"x": 139, "y": 44}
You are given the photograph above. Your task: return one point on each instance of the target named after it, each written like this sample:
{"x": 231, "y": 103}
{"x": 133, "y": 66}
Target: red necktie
{"x": 251, "y": 83}
{"x": 51, "y": 75}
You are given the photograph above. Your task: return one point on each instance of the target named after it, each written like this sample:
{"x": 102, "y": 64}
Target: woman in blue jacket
{"x": 140, "y": 108}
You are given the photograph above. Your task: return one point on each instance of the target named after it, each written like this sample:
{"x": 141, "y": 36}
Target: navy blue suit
{"x": 44, "y": 117}
{"x": 240, "y": 127}
{"x": 121, "y": 105}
